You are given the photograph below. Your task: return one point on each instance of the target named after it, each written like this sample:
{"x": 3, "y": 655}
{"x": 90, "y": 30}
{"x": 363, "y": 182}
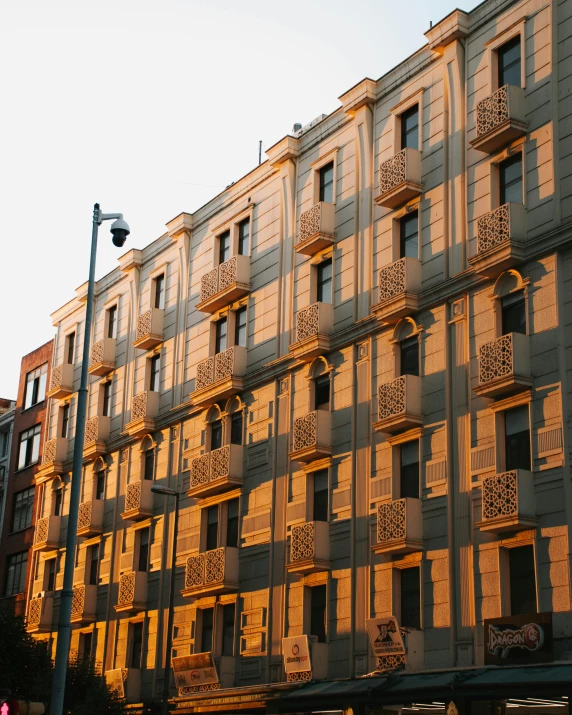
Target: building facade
{"x": 6, "y": 427}
{"x": 354, "y": 365}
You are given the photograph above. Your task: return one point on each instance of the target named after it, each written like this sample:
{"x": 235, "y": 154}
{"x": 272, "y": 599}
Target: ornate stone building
{"x": 354, "y": 365}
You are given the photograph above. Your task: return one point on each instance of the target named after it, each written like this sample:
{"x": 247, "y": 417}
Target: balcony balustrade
{"x": 508, "y": 502}
{"x": 310, "y": 547}
{"x": 102, "y": 358}
{"x": 84, "y": 603}
{"x": 314, "y": 325}
{"x": 212, "y": 572}
{"x": 54, "y": 455}
{"x": 225, "y": 284}
{"x": 399, "y": 404}
{"x": 504, "y": 366}
{"x": 399, "y": 288}
{"x": 220, "y": 376}
{"x": 400, "y": 179}
{"x": 61, "y": 382}
{"x": 501, "y": 239}
{"x": 132, "y": 596}
{"x": 40, "y": 614}
{"x": 144, "y": 410}
{"x": 47, "y": 533}
{"x": 317, "y": 229}
{"x": 149, "y": 331}
{"x": 399, "y": 527}
{"x": 217, "y": 471}
{"x": 312, "y": 436}
{"x": 138, "y": 500}
{"x": 500, "y": 119}
{"x": 96, "y": 432}
{"x": 90, "y": 518}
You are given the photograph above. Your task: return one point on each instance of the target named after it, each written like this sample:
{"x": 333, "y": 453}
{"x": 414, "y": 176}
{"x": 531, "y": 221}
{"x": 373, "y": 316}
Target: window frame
{"x": 232, "y": 225}
{"x": 315, "y": 168}
{"x": 70, "y": 337}
{"x": 222, "y": 528}
{"x": 310, "y": 593}
{"x": 36, "y": 431}
{"x": 404, "y": 112}
{"x": 398, "y": 588}
{"x": 35, "y": 386}
{"x": 133, "y": 625}
{"x": 320, "y": 285}
{"x": 395, "y": 119}
{"x": 109, "y": 325}
{"x": 26, "y": 493}
{"x": 23, "y": 562}
{"x": 492, "y": 46}
{"x": 154, "y": 375}
{"x": 504, "y": 549}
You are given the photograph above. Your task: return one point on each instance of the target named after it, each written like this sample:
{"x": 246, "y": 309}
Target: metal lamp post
{"x": 169, "y": 645}
{"x": 120, "y": 231}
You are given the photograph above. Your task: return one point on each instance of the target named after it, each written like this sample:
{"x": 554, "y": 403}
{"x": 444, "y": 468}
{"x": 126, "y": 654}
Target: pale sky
{"x": 151, "y": 108}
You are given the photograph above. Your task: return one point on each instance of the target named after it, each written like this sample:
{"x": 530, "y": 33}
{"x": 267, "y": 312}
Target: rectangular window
{"x": 93, "y": 564}
{"x": 149, "y": 465}
{"x": 322, "y": 388}
{"x": 409, "y": 236}
{"x": 212, "y": 528}
{"x": 510, "y": 180}
{"x": 143, "y": 560}
{"x": 228, "y": 629}
{"x": 50, "y": 575}
{"x": 216, "y": 435}
{"x": 324, "y": 293}
{"x": 327, "y": 183}
{"x": 85, "y": 644}
{"x": 220, "y": 337}
{"x": 514, "y": 313}
{"x": 236, "y": 428}
{"x": 411, "y": 598}
{"x": 100, "y": 485}
{"x": 320, "y": 495}
{"x": 16, "y": 565}
{"x": 318, "y": 612}
{"x": 517, "y": 438}
{"x": 65, "y": 417}
{"x": 409, "y": 469}
{"x": 58, "y": 500}
{"x": 243, "y": 237}
{"x": 160, "y": 291}
{"x": 410, "y": 356}
{"x": 36, "y": 386}
{"x": 223, "y": 247}
{"x": 106, "y": 397}
{"x": 410, "y": 128}
{"x": 136, "y": 645}
{"x": 232, "y": 523}
{"x": 112, "y": 322}
{"x": 509, "y": 63}
{"x": 29, "y": 446}
{"x": 70, "y": 348}
{"x": 154, "y": 373}
{"x": 240, "y": 332}
{"x": 4, "y": 439}
{"x": 207, "y": 630}
{"x": 23, "y": 509}
{"x": 522, "y": 580}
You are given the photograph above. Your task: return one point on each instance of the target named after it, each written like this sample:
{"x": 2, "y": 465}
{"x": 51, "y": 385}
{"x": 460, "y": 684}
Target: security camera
{"x": 119, "y": 231}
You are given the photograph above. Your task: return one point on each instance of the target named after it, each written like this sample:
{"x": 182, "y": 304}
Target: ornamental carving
{"x": 35, "y": 611}
{"x": 220, "y": 462}
{"x": 214, "y": 566}
{"x": 391, "y": 521}
{"x": 492, "y": 111}
{"x": 392, "y": 280}
{"x": 42, "y": 527}
{"x": 56, "y": 380}
{"x": 78, "y": 601}
{"x": 50, "y": 451}
{"x": 133, "y": 496}
{"x": 302, "y": 677}
{"x": 91, "y": 430}
{"x": 205, "y": 373}
{"x": 306, "y": 431}
{"x": 302, "y": 542}
{"x": 496, "y": 359}
{"x": 500, "y": 496}
{"x": 200, "y": 471}
{"x": 143, "y": 325}
{"x": 195, "y": 571}
{"x": 307, "y": 322}
{"x": 204, "y": 688}
{"x": 391, "y": 398}
{"x": 392, "y": 172}
{"x": 390, "y": 662}
{"x": 209, "y": 284}
{"x": 139, "y": 407}
{"x": 126, "y": 588}
{"x": 224, "y": 364}
{"x": 96, "y": 353}
{"x": 310, "y": 222}
{"x": 493, "y": 228}
{"x": 227, "y": 274}
{"x": 84, "y": 515}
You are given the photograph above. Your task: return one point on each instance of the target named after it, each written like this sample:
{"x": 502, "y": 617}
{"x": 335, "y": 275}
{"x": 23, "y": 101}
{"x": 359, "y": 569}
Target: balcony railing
{"x": 40, "y": 614}
{"x": 102, "y": 358}
{"x": 61, "y": 382}
{"x": 210, "y": 572}
{"x": 500, "y": 119}
{"x": 314, "y": 325}
{"x": 54, "y": 454}
{"x": 504, "y": 365}
{"x": 138, "y": 500}
{"x": 144, "y": 410}
{"x": 400, "y": 179}
{"x": 508, "y": 502}
{"x": 501, "y": 236}
{"x": 399, "y": 288}
{"x": 84, "y": 603}
{"x": 399, "y": 404}
{"x": 90, "y": 517}
{"x": 312, "y": 436}
{"x": 216, "y": 471}
{"x": 317, "y": 229}
{"x": 132, "y": 594}
{"x": 310, "y": 547}
{"x": 225, "y": 284}
{"x": 220, "y": 376}
{"x": 149, "y": 331}
{"x": 96, "y": 432}
{"x": 399, "y": 526}
{"x": 47, "y": 533}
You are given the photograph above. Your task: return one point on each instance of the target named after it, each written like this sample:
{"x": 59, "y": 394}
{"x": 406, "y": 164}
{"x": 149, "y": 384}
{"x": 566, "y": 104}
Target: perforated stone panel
{"x": 227, "y": 274}
{"x": 220, "y": 463}
{"x": 391, "y": 521}
{"x": 392, "y": 172}
{"x": 493, "y": 228}
{"x": 49, "y": 452}
{"x": 96, "y": 353}
{"x": 310, "y": 222}
{"x": 214, "y": 566}
{"x": 195, "y": 571}
{"x": 305, "y": 431}
{"x": 392, "y": 280}
{"x": 56, "y": 380}
{"x": 205, "y": 373}
{"x": 126, "y": 588}
{"x": 500, "y": 496}
{"x": 209, "y": 284}
{"x": 492, "y": 111}
{"x": 42, "y": 527}
{"x": 302, "y": 542}
{"x": 307, "y": 322}
{"x": 200, "y": 471}
{"x": 496, "y": 359}
{"x": 139, "y": 406}
{"x": 91, "y": 430}
{"x": 391, "y": 398}
{"x": 35, "y": 611}
{"x": 84, "y": 515}
{"x": 390, "y": 662}
{"x": 133, "y": 496}
{"x": 143, "y": 325}
{"x": 78, "y": 600}
{"x": 224, "y": 364}
{"x": 302, "y": 677}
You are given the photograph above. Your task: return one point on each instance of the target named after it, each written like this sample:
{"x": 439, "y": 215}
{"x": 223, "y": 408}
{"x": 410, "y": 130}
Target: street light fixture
{"x": 120, "y": 231}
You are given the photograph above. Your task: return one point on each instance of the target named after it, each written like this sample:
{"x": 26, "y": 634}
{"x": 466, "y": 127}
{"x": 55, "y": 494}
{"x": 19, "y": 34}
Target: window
{"x": 325, "y": 282}
{"x": 240, "y": 333}
{"x": 236, "y": 428}
{"x": 149, "y": 464}
{"x": 143, "y": 557}
{"x": 136, "y": 644}
{"x": 94, "y": 564}
{"x": 85, "y": 644}
{"x": 154, "y": 373}
{"x": 410, "y": 598}
{"x": 16, "y": 573}
{"x": 409, "y": 236}
{"x": 160, "y": 291}
{"x": 409, "y": 470}
{"x": 232, "y": 523}
{"x": 318, "y": 612}
{"x": 410, "y": 128}
{"x": 4, "y": 439}
{"x": 50, "y": 575}
{"x": 510, "y": 180}
{"x": 216, "y": 435}
{"x": 106, "y": 399}
{"x": 58, "y": 502}
{"x": 243, "y": 237}
{"x": 410, "y": 356}
{"x": 70, "y": 348}
{"x": 65, "y": 416}
{"x": 23, "y": 509}
{"x": 29, "y": 450}
{"x": 327, "y": 183}
{"x": 522, "y": 580}
{"x": 320, "y": 495}
{"x": 517, "y": 438}
{"x": 322, "y": 392}
{"x": 100, "y": 485}
{"x": 224, "y": 247}
{"x": 36, "y": 386}
{"x": 220, "y": 336}
{"x": 112, "y": 322}
{"x": 509, "y": 63}
{"x": 513, "y": 308}
{"x": 212, "y": 527}
{"x": 207, "y": 630}
{"x": 228, "y": 629}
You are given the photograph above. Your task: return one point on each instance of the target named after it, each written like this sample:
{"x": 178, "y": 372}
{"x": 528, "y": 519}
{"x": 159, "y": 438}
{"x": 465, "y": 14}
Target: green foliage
{"x": 87, "y": 693}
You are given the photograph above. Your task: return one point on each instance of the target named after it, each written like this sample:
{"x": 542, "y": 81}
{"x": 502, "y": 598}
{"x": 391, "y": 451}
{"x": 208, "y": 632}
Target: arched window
{"x": 148, "y": 447}
{"x": 214, "y": 432}
{"x": 320, "y": 376}
{"x": 510, "y": 298}
{"x": 234, "y": 424}
{"x": 407, "y": 347}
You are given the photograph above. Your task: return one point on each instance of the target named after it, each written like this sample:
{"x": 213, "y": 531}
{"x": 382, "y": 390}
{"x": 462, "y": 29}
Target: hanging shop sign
{"x": 384, "y": 636}
{"x": 191, "y": 670}
{"x": 114, "y": 678}
{"x": 519, "y": 639}
{"x": 296, "y": 652}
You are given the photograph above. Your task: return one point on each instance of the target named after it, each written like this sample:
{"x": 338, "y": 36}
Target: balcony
{"x": 126, "y": 682}
{"x": 212, "y": 572}
{"x": 132, "y": 596}
{"x": 47, "y": 533}
{"x": 501, "y": 235}
{"x": 399, "y": 404}
{"x": 84, "y": 604}
{"x": 138, "y": 501}
{"x": 508, "y": 502}
{"x": 399, "y": 288}
{"x": 500, "y": 119}
{"x": 216, "y": 471}
{"x": 96, "y": 432}
{"x": 400, "y": 179}
{"x": 61, "y": 383}
{"x": 220, "y": 376}
{"x": 40, "y": 614}
{"x": 225, "y": 284}
{"x": 317, "y": 229}
{"x": 54, "y": 455}
{"x": 504, "y": 366}
{"x": 399, "y": 527}
{"x": 310, "y": 547}
{"x": 144, "y": 410}
{"x": 90, "y": 518}
{"x": 312, "y": 436}
{"x": 102, "y": 358}
{"x": 314, "y": 326}
{"x": 149, "y": 332}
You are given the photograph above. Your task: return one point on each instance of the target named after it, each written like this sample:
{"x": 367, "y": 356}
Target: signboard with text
{"x": 384, "y": 636}
{"x": 519, "y": 639}
{"x": 114, "y": 679}
{"x": 296, "y": 652}
{"x": 196, "y": 669}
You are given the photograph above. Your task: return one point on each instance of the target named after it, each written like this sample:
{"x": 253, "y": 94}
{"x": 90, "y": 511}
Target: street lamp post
{"x": 169, "y": 645}
{"x": 119, "y": 231}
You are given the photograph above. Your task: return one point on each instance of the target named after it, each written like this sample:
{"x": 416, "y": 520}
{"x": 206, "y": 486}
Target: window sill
{"x": 31, "y": 407}
{"x": 19, "y": 531}
{"x": 28, "y": 466}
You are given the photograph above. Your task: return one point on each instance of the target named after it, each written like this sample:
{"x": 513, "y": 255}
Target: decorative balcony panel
{"x": 220, "y": 376}
{"x": 399, "y": 288}
{"x": 314, "y": 325}
{"x": 501, "y": 239}
{"x": 211, "y": 572}
{"x": 96, "y": 432}
{"x": 225, "y": 284}
{"x": 312, "y": 436}
{"x": 138, "y": 500}
{"x": 61, "y": 382}
{"x": 126, "y": 682}
{"x": 84, "y": 603}
{"x": 40, "y": 614}
{"x": 310, "y": 547}
{"x": 399, "y": 404}
{"x": 132, "y": 596}
{"x": 90, "y": 518}
{"x": 399, "y": 527}
{"x": 504, "y": 366}
{"x": 47, "y": 533}
{"x": 54, "y": 455}
{"x": 400, "y": 179}
{"x": 149, "y": 331}
{"x": 500, "y": 119}
{"x": 509, "y": 503}
{"x": 102, "y": 358}
{"x": 144, "y": 410}
{"x": 317, "y": 229}
{"x": 216, "y": 471}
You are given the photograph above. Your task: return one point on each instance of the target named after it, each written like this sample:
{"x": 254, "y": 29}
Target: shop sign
{"x": 114, "y": 679}
{"x": 296, "y": 652}
{"x": 191, "y": 670}
{"x": 519, "y": 639}
{"x": 384, "y": 636}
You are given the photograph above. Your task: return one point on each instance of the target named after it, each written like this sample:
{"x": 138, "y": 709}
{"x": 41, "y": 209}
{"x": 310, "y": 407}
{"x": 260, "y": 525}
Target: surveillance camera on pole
{"x": 119, "y": 230}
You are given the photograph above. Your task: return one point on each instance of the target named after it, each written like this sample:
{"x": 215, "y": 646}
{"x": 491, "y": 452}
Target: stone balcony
{"x": 317, "y": 229}
{"x": 61, "y": 382}
{"x": 399, "y": 404}
{"x": 149, "y": 331}
{"x": 398, "y": 290}
{"x": 314, "y": 325}
{"x": 399, "y": 527}
{"x": 96, "y": 432}
{"x": 504, "y": 366}
{"x": 84, "y": 603}
{"x": 54, "y": 455}
{"x": 501, "y": 239}
{"x": 47, "y": 533}
{"x": 40, "y": 614}
{"x": 212, "y": 572}
{"x": 220, "y": 376}
{"x": 132, "y": 596}
{"x": 102, "y": 358}
{"x": 508, "y": 502}
{"x": 216, "y": 471}
{"x": 500, "y": 119}
{"x": 90, "y": 518}
{"x": 225, "y": 284}
{"x": 400, "y": 179}
{"x": 138, "y": 500}
{"x": 144, "y": 410}
{"x": 309, "y": 547}
{"x": 312, "y": 436}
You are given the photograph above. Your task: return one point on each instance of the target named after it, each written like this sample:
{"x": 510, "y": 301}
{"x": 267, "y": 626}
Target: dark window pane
{"x": 410, "y": 356}
{"x": 410, "y": 128}
{"x": 509, "y": 63}
{"x": 112, "y": 322}
{"x": 23, "y": 509}
{"x": 58, "y": 502}
{"x": 522, "y": 580}
{"x": 409, "y": 236}
{"x": 243, "y": 237}
{"x": 87, "y": 640}
{"x": 100, "y": 485}
{"x": 106, "y": 407}
{"x": 220, "y": 343}
{"x": 224, "y": 247}
{"x": 207, "y": 630}
{"x": 240, "y": 334}
{"x": 212, "y": 528}
{"x": 94, "y": 565}
{"x": 160, "y": 291}
{"x": 409, "y": 476}
{"x": 149, "y": 467}
{"x": 65, "y": 420}
{"x": 327, "y": 183}
{"x": 143, "y": 563}
{"x": 136, "y": 644}
{"x": 216, "y": 435}
{"x": 410, "y": 598}
{"x": 232, "y": 523}
{"x": 321, "y": 495}
{"x": 318, "y": 612}
{"x": 322, "y": 391}
{"x": 71, "y": 348}
{"x": 325, "y": 282}
{"x": 50, "y": 574}
{"x": 514, "y": 314}
{"x": 154, "y": 373}
{"x": 517, "y": 438}
{"x": 510, "y": 180}
{"x": 16, "y": 565}
{"x": 236, "y": 428}
{"x": 228, "y": 629}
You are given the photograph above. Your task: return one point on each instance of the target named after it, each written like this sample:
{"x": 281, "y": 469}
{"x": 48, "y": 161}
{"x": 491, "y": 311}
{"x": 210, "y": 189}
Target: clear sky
{"x": 151, "y": 108}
